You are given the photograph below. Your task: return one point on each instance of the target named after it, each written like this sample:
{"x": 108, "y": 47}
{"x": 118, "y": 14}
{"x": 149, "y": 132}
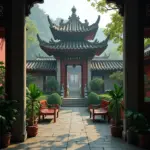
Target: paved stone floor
{"x": 73, "y": 131}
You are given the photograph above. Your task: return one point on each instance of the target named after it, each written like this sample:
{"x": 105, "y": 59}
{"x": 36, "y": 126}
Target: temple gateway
{"x": 74, "y": 56}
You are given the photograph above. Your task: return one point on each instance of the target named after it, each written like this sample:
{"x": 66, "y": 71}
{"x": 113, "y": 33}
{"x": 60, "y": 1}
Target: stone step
{"x": 74, "y": 102}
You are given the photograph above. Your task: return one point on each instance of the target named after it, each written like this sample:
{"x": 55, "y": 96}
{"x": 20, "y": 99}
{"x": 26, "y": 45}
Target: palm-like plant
{"x": 115, "y": 105}
{"x": 32, "y": 102}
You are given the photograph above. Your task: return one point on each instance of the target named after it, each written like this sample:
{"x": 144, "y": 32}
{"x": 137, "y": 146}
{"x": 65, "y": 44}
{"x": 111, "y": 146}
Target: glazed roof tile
{"x": 106, "y": 65}
{"x": 49, "y": 63}
{"x": 73, "y": 45}
{"x": 147, "y": 51}
{"x": 41, "y": 65}
{"x": 74, "y": 24}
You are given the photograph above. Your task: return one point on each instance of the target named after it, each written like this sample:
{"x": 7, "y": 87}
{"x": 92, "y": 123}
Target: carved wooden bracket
{"x": 29, "y": 5}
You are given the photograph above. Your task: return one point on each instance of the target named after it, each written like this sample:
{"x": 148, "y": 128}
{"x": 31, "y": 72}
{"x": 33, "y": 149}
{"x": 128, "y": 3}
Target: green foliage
{"x": 115, "y": 103}
{"x": 96, "y": 84}
{"x": 54, "y": 98}
{"x": 53, "y": 84}
{"x": 136, "y": 121}
{"x": 118, "y": 76}
{"x": 8, "y": 114}
{"x": 33, "y": 103}
{"x": 31, "y": 32}
{"x": 105, "y": 97}
{"x": 93, "y": 98}
{"x": 30, "y": 79}
{"x": 2, "y": 73}
{"x": 115, "y": 27}
{"x": 43, "y": 97}
{"x": 146, "y": 87}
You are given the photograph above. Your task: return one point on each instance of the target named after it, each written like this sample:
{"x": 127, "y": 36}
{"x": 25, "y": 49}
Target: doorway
{"x": 74, "y": 87}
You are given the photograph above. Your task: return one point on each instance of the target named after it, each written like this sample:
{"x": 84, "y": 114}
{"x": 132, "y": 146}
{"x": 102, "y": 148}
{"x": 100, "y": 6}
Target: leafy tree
{"x": 118, "y": 76}
{"x": 31, "y": 32}
{"x": 2, "y": 74}
{"x": 115, "y": 28}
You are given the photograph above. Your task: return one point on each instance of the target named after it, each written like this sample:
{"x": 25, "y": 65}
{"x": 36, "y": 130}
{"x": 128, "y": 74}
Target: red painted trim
{"x": 63, "y": 71}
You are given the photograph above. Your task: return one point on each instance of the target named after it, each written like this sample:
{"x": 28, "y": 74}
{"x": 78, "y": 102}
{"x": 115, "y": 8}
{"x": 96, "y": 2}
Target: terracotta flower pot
{"x": 32, "y": 131}
{"x": 5, "y": 140}
{"x": 144, "y": 140}
{"x": 116, "y": 131}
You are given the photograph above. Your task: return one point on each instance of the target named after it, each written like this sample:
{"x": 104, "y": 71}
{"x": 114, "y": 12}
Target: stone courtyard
{"x": 74, "y": 130}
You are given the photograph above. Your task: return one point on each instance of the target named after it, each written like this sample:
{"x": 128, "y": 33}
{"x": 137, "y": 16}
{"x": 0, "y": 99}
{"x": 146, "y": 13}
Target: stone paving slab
{"x": 74, "y": 130}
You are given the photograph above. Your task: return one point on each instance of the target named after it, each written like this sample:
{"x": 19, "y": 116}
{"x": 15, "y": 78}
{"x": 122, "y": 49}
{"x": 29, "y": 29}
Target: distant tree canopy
{"x": 115, "y": 28}
{"x": 118, "y": 76}
{"x": 31, "y": 32}
{"x": 30, "y": 79}
{"x": 37, "y": 23}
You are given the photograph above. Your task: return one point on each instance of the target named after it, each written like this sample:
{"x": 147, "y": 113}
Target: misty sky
{"x": 62, "y": 9}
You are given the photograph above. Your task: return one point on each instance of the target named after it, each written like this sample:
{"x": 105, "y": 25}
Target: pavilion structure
{"x": 72, "y": 45}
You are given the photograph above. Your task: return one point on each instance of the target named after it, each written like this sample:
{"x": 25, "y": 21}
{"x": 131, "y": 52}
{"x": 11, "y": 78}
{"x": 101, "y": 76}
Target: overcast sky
{"x": 62, "y": 9}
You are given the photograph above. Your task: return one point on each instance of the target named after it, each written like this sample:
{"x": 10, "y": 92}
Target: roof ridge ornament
{"x": 73, "y": 10}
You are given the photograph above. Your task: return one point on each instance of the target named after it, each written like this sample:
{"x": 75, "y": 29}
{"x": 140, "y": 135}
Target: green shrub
{"x": 52, "y": 84}
{"x": 93, "y": 98}
{"x": 54, "y": 98}
{"x": 43, "y": 97}
{"x": 105, "y": 97}
{"x": 96, "y": 84}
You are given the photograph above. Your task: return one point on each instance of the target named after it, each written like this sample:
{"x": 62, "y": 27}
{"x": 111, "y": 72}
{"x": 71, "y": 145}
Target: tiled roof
{"x": 72, "y": 45}
{"x": 147, "y": 51}
{"x": 41, "y": 65}
{"x": 74, "y": 24}
{"x": 49, "y": 64}
{"x": 106, "y": 65}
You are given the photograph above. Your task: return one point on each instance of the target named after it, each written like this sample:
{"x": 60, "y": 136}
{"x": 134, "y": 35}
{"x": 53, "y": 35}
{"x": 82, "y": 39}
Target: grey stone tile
{"x": 74, "y": 130}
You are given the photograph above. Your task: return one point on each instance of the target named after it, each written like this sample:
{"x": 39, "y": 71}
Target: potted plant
{"x": 143, "y": 131}
{"x": 32, "y": 109}
{"x": 114, "y": 109}
{"x": 138, "y": 129}
{"x": 8, "y": 115}
{"x": 132, "y": 124}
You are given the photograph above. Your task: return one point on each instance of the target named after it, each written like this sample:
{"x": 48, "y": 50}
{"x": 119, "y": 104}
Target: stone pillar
{"x": 133, "y": 56}
{"x": 58, "y": 71}
{"x": 89, "y": 72}
{"x": 84, "y": 75}
{"x": 16, "y": 64}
